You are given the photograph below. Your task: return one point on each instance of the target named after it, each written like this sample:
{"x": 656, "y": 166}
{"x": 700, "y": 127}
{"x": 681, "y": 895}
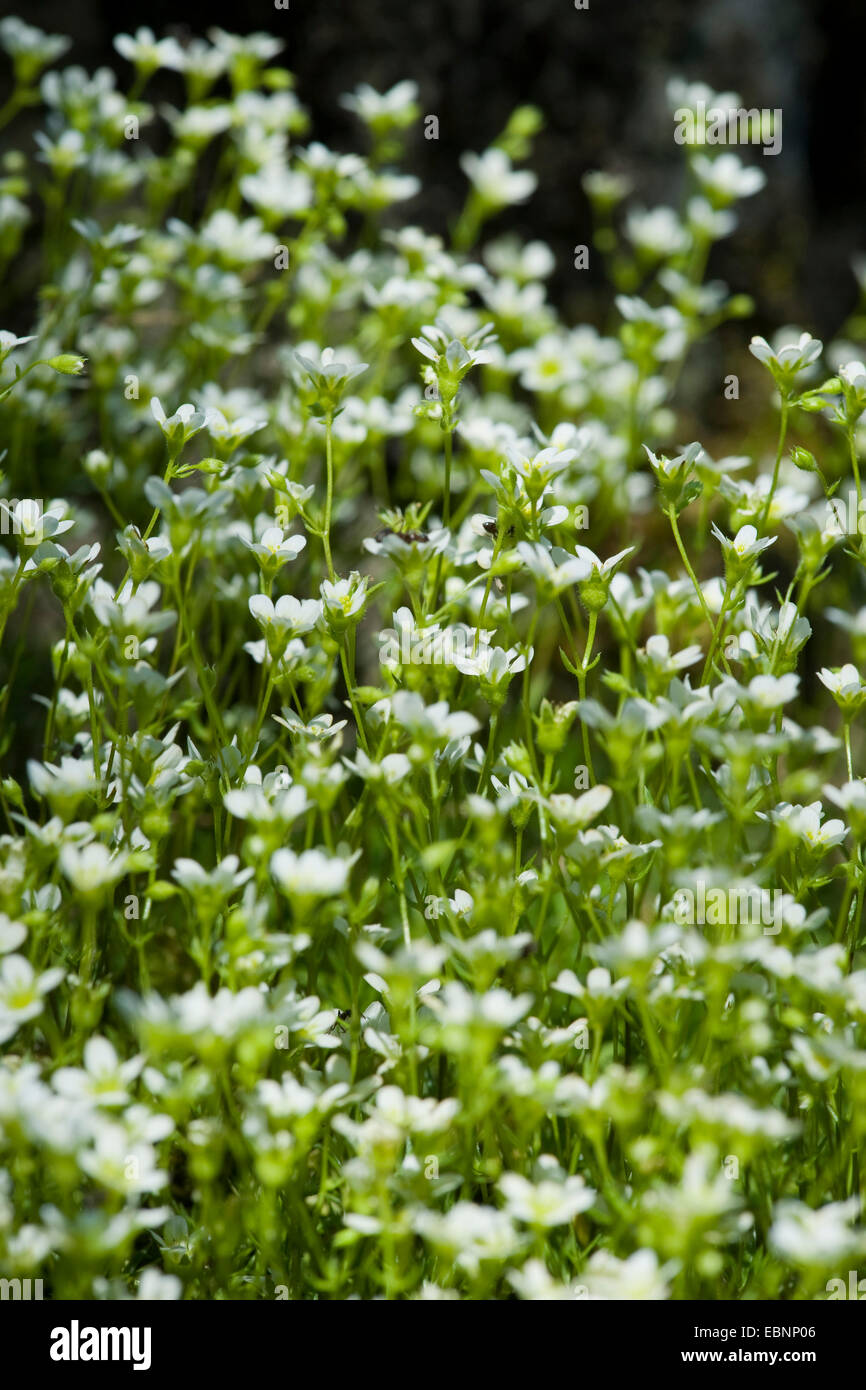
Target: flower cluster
{"x": 399, "y": 671}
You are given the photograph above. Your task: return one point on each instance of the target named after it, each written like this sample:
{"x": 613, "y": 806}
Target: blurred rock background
{"x": 598, "y": 75}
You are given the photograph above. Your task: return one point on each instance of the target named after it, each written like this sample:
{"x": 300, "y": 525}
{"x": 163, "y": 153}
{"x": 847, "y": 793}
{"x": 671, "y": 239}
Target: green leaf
{"x": 161, "y": 889}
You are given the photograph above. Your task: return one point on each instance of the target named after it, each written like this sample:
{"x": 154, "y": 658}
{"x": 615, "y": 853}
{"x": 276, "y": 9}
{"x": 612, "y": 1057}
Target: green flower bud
{"x": 68, "y": 363}
{"x": 97, "y": 465}
{"x": 804, "y": 459}
{"x": 553, "y": 723}
{"x": 593, "y": 593}
{"x": 516, "y": 758}
{"x": 63, "y": 581}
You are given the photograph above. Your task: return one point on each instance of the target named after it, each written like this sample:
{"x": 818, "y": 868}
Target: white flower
{"x": 533, "y": 1282}
{"x": 218, "y": 883}
{"x": 154, "y": 1286}
{"x": 845, "y": 683}
{"x": 65, "y": 154}
{"x": 771, "y": 692}
{"x": 392, "y": 768}
{"x": 436, "y": 722}
{"x": 21, "y": 992}
{"x": 493, "y": 664}
{"x": 601, "y": 568}
{"x": 804, "y": 822}
{"x": 727, "y": 177}
{"x": 461, "y": 905}
{"x": 658, "y": 654}
{"x": 789, "y": 359}
{"x": 673, "y": 469}
{"x": 258, "y": 46}
{"x": 317, "y": 729}
{"x": 714, "y": 223}
{"x": 575, "y": 812}
{"x": 495, "y": 180}
{"x": 659, "y": 232}
{"x": 851, "y": 622}
{"x": 8, "y": 341}
{"x": 604, "y": 188}
{"x": 30, "y": 47}
{"x": 394, "y": 107}
{"x": 729, "y": 1112}
{"x": 638, "y": 1277}
{"x": 288, "y": 617}
{"x": 545, "y": 1204}
{"x": 599, "y": 985}
{"x": 817, "y": 1239}
{"x": 511, "y": 258}
{"x": 745, "y": 544}
{"x": 278, "y": 190}
{"x": 449, "y": 354}
{"x": 237, "y": 241}
{"x": 344, "y": 598}
{"x": 420, "y": 1115}
{"x": 198, "y": 124}
{"x": 276, "y": 806}
{"x": 104, "y": 1078}
{"x": 312, "y": 873}
{"x": 11, "y": 934}
{"x": 547, "y": 365}
{"x": 198, "y": 1015}
{"x": 145, "y": 51}
{"x": 231, "y": 432}
{"x": 540, "y": 468}
{"x": 668, "y": 324}
{"x": 92, "y": 869}
{"x": 458, "y": 1007}
{"x": 553, "y": 567}
{"x": 850, "y": 796}
{"x": 122, "y": 1166}
{"x": 65, "y": 785}
{"x": 854, "y": 374}
{"x": 182, "y": 425}
{"x": 470, "y": 1234}
{"x": 274, "y": 545}
{"x": 28, "y": 520}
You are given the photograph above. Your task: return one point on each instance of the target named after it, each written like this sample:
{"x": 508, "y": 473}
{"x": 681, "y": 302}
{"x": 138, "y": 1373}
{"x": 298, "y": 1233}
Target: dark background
{"x": 598, "y": 75}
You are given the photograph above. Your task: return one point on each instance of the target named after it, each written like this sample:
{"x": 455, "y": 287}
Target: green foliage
{"x": 400, "y": 896}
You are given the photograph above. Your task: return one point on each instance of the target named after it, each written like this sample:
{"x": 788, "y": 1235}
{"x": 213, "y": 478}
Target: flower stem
{"x": 581, "y": 683}
{"x": 783, "y": 427}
